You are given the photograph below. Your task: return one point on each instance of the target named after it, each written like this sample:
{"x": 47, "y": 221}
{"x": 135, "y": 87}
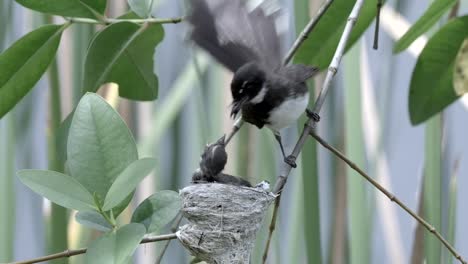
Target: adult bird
{"x": 264, "y": 91}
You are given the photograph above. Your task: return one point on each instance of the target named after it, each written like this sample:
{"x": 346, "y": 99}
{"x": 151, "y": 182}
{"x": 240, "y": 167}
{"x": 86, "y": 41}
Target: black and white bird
{"x": 264, "y": 91}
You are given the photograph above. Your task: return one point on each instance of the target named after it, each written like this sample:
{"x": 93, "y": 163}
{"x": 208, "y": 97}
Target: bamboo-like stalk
{"x": 433, "y": 186}
{"x": 359, "y": 199}
{"x": 309, "y": 193}
{"x": 312, "y": 121}
{"x": 58, "y": 223}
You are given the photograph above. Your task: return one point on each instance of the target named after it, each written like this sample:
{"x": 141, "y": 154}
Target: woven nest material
{"x": 222, "y": 221}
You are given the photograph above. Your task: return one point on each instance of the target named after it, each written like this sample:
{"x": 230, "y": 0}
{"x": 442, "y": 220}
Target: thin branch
{"x": 390, "y": 196}
{"x": 174, "y": 227}
{"x": 271, "y": 230}
{"x": 237, "y": 125}
{"x": 377, "y": 24}
{"x": 68, "y": 253}
{"x": 107, "y": 21}
{"x": 305, "y": 33}
{"x": 314, "y": 118}
{"x": 454, "y": 11}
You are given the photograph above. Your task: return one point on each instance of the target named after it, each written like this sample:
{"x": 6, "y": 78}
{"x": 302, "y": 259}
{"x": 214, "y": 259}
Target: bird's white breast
{"x": 288, "y": 112}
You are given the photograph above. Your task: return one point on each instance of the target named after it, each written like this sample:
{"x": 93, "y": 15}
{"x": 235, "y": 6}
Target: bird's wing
{"x": 298, "y": 72}
{"x": 232, "y": 34}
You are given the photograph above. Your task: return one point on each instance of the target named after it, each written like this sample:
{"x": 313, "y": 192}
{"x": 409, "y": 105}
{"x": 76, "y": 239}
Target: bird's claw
{"x": 291, "y": 161}
{"x": 313, "y": 115}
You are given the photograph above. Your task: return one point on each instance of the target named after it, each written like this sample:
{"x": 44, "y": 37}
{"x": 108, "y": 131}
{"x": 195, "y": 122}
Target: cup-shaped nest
{"x": 222, "y": 221}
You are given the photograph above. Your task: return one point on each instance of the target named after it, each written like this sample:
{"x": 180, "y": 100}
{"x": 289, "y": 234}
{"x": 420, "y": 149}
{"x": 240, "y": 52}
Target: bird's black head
{"x": 247, "y": 82}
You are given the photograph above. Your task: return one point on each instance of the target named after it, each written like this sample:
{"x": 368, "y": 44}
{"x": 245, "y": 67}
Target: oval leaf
{"x": 157, "y": 210}
{"x": 431, "y": 88}
{"x": 142, "y": 8}
{"x": 68, "y": 8}
{"x": 460, "y": 73}
{"x": 321, "y": 44}
{"x": 116, "y": 247}
{"x": 93, "y": 220}
{"x": 23, "y": 64}
{"x": 127, "y": 181}
{"x": 123, "y": 53}
{"x": 424, "y": 23}
{"x": 58, "y": 188}
{"x": 100, "y": 145}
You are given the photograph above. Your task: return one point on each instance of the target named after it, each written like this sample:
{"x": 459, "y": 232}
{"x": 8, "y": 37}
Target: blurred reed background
{"x": 328, "y": 214}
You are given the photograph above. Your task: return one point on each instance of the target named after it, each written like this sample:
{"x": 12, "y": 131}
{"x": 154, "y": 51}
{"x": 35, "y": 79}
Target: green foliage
{"x": 93, "y": 220}
{"x": 309, "y": 167}
{"x": 23, "y": 64}
{"x": 102, "y": 160}
{"x": 127, "y": 181}
{"x": 424, "y": 23}
{"x": 452, "y": 215}
{"x": 433, "y": 182}
{"x": 122, "y": 53}
{"x": 319, "y": 48}
{"x": 116, "y": 247}
{"x": 142, "y": 8}
{"x": 68, "y": 8}
{"x": 59, "y": 188}
{"x": 431, "y": 88}
{"x": 157, "y": 210}
{"x": 100, "y": 145}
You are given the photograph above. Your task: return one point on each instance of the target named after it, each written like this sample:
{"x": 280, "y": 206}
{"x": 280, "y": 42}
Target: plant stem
{"x": 107, "y": 21}
{"x": 390, "y": 196}
{"x": 310, "y": 125}
{"x": 305, "y": 33}
{"x": 377, "y": 25}
{"x": 69, "y": 253}
{"x": 57, "y": 226}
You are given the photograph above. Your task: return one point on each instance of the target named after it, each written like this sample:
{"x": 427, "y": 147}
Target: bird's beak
{"x": 237, "y": 106}
{"x": 221, "y": 140}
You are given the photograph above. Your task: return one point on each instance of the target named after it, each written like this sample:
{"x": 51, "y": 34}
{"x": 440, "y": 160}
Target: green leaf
{"x": 93, "y": 219}
{"x": 142, "y": 8}
{"x": 67, "y": 8}
{"x": 58, "y": 187}
{"x": 100, "y": 145}
{"x": 424, "y": 23}
{"x": 123, "y": 53}
{"x": 452, "y": 213}
{"x": 310, "y": 193}
{"x": 127, "y": 181}
{"x": 460, "y": 73}
{"x": 359, "y": 197}
{"x": 23, "y": 64}
{"x": 431, "y": 88}
{"x": 157, "y": 210}
{"x": 433, "y": 195}
{"x": 116, "y": 247}
{"x": 321, "y": 44}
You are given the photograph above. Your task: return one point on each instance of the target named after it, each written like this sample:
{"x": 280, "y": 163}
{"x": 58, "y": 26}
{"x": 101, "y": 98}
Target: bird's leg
{"x": 312, "y": 115}
{"x": 290, "y": 160}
